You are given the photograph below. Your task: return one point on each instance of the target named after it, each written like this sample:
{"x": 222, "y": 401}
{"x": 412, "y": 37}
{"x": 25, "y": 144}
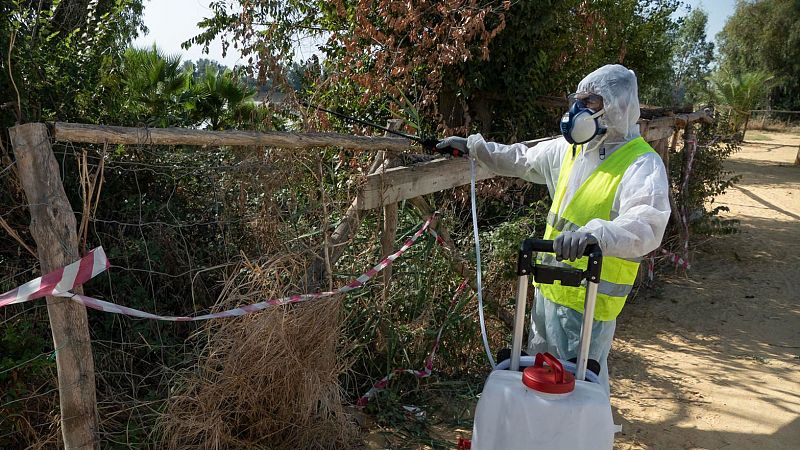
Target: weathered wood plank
{"x": 656, "y": 134}
{"x": 53, "y": 228}
{"x": 402, "y": 183}
{"x": 681, "y": 120}
{"x": 676, "y": 121}
{"x": 405, "y": 182}
{"x": 100, "y": 134}
{"x": 661, "y": 147}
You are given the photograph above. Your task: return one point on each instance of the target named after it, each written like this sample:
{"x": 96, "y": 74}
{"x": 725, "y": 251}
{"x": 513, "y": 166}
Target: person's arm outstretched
{"x": 537, "y": 164}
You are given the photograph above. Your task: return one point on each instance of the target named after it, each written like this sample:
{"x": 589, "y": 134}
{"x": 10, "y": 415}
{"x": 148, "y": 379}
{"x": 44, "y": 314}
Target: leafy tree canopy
{"x": 764, "y": 35}
{"x": 548, "y": 47}
{"x": 56, "y": 54}
{"x": 161, "y": 90}
{"x": 691, "y": 62}
{"x": 741, "y": 92}
{"x": 461, "y": 64}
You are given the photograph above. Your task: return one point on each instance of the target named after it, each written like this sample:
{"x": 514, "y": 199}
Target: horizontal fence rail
{"x": 105, "y": 134}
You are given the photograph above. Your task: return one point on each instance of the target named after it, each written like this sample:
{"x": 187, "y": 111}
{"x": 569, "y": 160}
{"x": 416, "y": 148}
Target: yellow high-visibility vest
{"x": 593, "y": 200}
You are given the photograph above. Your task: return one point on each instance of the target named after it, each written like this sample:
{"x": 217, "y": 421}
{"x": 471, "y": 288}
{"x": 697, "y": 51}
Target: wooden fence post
{"x": 53, "y": 228}
{"x": 390, "y": 214}
{"x": 689, "y": 148}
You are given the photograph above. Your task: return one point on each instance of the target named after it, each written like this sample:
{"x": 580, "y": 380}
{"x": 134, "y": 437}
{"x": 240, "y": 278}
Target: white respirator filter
{"x": 579, "y": 125}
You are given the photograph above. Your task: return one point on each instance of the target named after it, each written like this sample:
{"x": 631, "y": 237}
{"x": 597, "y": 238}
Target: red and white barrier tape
{"x": 676, "y": 259}
{"x": 439, "y": 239}
{"x": 683, "y": 213}
{"x": 425, "y": 371}
{"x": 651, "y": 267}
{"x": 59, "y": 282}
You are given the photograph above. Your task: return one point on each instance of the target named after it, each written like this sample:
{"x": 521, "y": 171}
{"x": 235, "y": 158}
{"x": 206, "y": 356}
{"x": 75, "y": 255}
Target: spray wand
{"x": 427, "y": 143}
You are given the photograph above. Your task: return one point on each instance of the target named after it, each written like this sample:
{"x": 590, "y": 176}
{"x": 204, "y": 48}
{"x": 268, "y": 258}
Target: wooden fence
{"x": 53, "y": 223}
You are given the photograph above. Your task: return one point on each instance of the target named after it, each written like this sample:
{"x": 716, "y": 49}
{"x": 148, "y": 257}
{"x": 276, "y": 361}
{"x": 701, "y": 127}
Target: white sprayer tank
{"x": 513, "y": 413}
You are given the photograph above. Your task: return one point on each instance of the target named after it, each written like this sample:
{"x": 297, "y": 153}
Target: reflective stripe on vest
{"x": 593, "y": 200}
{"x": 606, "y": 287}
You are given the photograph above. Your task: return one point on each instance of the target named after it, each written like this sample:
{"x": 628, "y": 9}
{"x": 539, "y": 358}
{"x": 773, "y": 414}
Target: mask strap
{"x": 598, "y": 113}
{"x": 599, "y": 143}
{"x": 601, "y": 130}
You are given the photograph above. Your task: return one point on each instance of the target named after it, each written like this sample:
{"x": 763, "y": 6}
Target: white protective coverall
{"x": 639, "y": 213}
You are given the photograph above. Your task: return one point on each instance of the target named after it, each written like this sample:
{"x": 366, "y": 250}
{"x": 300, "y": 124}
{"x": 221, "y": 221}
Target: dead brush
{"x": 264, "y": 381}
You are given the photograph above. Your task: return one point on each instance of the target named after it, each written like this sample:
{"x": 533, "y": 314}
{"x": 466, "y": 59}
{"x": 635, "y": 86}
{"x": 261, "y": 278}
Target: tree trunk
{"x": 53, "y": 228}
{"x": 746, "y": 122}
{"x": 316, "y": 273}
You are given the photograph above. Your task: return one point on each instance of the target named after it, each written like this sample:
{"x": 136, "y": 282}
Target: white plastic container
{"x": 546, "y": 406}
{"x": 512, "y": 416}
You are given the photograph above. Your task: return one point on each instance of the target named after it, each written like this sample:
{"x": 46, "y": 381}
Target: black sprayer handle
{"x": 430, "y": 144}
{"x": 525, "y": 262}
{"x": 565, "y": 275}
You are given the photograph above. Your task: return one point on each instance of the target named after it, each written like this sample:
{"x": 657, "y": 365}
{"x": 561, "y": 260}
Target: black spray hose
{"x": 427, "y": 143}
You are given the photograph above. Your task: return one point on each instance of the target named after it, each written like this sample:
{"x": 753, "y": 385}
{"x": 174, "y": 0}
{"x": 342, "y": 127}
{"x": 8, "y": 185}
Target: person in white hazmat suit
{"x": 581, "y": 170}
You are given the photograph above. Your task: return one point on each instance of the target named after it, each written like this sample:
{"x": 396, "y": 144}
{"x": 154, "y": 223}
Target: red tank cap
{"x": 550, "y": 379}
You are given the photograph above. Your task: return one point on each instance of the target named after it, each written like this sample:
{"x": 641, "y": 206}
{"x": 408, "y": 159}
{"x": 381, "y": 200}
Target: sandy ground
{"x": 711, "y": 360}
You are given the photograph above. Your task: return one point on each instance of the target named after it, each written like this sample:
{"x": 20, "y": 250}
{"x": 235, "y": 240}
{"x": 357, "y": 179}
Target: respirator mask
{"x": 580, "y": 124}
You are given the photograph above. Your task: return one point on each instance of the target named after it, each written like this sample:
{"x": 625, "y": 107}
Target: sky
{"x": 718, "y": 13}
{"x": 172, "y": 22}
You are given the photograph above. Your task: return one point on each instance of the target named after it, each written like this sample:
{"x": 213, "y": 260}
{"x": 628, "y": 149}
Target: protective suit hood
{"x": 619, "y": 89}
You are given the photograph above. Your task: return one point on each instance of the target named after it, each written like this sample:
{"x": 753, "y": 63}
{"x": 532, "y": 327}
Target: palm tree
{"x": 156, "y": 86}
{"x": 220, "y": 98}
{"x": 741, "y": 93}
{"x": 162, "y": 91}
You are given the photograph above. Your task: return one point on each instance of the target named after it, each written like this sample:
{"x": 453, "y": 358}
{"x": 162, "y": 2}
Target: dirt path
{"x": 712, "y": 360}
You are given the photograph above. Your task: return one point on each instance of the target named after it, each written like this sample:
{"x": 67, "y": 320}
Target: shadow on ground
{"x": 710, "y": 359}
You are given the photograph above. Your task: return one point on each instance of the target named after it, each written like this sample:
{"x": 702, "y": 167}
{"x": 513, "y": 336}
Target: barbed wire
{"x": 7, "y": 168}
{"x": 176, "y": 226}
{"x": 175, "y": 234}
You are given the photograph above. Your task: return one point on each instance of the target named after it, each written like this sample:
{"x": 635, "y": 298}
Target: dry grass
{"x": 268, "y": 380}
{"x": 265, "y": 381}
{"x": 783, "y": 126}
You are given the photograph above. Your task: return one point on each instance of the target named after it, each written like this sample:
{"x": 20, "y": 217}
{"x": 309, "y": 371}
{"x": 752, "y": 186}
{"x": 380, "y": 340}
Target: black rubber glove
{"x": 571, "y": 244}
{"x": 453, "y": 145}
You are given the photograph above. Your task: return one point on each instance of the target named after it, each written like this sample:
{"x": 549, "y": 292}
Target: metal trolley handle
{"x": 526, "y": 265}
